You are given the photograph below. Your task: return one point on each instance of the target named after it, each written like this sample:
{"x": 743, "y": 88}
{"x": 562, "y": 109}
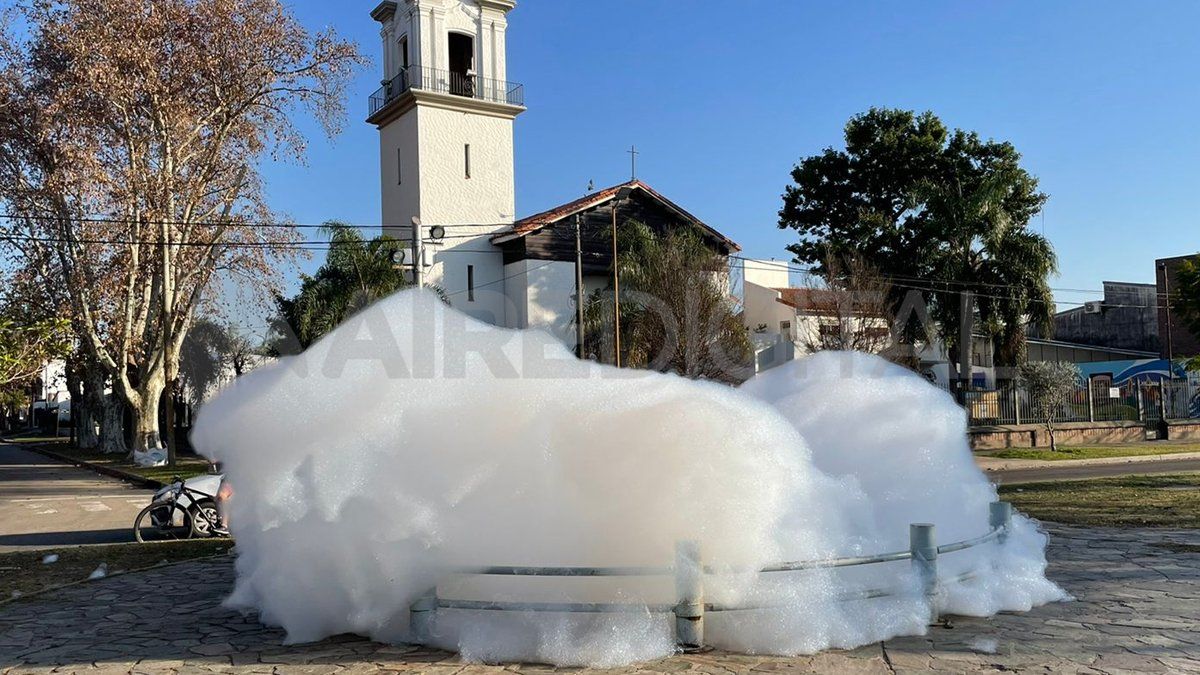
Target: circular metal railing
{"x": 689, "y": 573}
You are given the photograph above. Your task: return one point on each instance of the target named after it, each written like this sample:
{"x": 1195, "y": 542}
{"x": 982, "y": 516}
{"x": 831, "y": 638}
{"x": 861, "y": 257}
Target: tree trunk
{"x": 90, "y": 409}
{"x": 145, "y": 419}
{"x": 112, "y": 427}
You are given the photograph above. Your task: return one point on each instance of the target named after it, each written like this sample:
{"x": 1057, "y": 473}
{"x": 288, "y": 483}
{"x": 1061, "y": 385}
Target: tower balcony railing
{"x": 467, "y": 85}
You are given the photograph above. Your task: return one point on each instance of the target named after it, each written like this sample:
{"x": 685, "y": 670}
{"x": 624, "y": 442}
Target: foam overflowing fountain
{"x": 413, "y": 448}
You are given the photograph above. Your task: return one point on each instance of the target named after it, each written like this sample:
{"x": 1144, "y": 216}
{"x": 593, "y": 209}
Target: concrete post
{"x": 923, "y": 546}
{"x": 689, "y": 593}
{"x": 1140, "y": 402}
{"x": 1016, "y": 396}
{"x": 1091, "y": 394}
{"x": 421, "y": 616}
{"x": 1000, "y": 515}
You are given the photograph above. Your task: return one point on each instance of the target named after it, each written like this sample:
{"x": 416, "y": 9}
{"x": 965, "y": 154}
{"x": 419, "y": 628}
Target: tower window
{"x": 467, "y": 160}
{"x": 404, "y": 52}
{"x": 399, "y": 164}
{"x": 470, "y": 283}
{"x": 461, "y": 48}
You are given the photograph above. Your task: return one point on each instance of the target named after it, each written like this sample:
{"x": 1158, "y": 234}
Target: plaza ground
{"x": 1137, "y": 609}
{"x": 1137, "y": 591}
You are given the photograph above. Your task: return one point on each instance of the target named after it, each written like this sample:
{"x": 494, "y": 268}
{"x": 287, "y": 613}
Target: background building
{"x": 1127, "y": 318}
{"x": 1177, "y": 340}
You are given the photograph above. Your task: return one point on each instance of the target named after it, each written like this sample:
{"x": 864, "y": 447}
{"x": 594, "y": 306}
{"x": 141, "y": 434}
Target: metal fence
{"x": 1147, "y": 401}
{"x": 690, "y": 572}
{"x": 447, "y": 82}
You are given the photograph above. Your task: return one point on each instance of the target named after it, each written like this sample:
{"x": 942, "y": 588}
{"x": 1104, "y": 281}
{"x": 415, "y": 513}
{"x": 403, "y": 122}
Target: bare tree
{"x": 847, "y": 307}
{"x": 130, "y": 132}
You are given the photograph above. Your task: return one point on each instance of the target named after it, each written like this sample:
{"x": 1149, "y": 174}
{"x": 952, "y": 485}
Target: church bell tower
{"x": 445, "y": 115}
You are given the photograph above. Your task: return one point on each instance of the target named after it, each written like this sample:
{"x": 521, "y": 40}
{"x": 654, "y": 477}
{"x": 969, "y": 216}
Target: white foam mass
{"x": 414, "y": 443}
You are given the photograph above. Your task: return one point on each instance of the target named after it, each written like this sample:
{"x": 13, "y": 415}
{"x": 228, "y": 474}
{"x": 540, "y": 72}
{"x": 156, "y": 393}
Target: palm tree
{"x": 675, "y": 312}
{"x": 356, "y": 273}
{"x": 1003, "y": 264}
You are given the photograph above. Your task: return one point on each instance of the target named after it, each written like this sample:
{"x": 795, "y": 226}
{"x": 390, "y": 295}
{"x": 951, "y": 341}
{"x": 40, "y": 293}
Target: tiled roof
{"x": 531, "y": 224}
{"x": 821, "y": 301}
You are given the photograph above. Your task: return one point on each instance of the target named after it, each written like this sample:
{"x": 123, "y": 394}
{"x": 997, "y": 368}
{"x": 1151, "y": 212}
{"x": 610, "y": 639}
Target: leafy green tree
{"x": 356, "y": 273}
{"x": 1049, "y": 385}
{"x": 934, "y": 210}
{"x": 26, "y": 347}
{"x": 676, "y": 314}
{"x": 1185, "y": 301}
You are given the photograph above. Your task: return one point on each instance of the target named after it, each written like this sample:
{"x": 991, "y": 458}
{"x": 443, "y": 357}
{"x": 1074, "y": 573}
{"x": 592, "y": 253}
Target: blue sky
{"x": 723, "y": 98}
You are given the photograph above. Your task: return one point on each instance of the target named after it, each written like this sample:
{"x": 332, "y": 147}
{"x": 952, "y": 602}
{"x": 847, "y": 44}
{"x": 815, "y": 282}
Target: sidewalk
{"x": 1137, "y": 590}
{"x": 996, "y": 464}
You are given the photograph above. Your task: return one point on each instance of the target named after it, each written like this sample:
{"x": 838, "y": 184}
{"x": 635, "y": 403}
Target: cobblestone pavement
{"x": 1138, "y": 610}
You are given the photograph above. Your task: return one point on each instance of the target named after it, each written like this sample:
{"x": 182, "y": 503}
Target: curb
{"x": 140, "y": 481}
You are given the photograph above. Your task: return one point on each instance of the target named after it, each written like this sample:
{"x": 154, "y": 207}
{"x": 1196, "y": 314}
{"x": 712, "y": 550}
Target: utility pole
{"x": 616, "y": 289}
{"x": 1167, "y": 300}
{"x": 418, "y": 247}
{"x": 578, "y": 288}
{"x": 965, "y": 343}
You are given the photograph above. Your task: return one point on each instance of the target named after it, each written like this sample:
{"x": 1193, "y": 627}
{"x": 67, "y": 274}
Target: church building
{"x": 445, "y": 114}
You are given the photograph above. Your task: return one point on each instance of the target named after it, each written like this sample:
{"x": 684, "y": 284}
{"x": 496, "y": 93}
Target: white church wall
{"x": 448, "y": 195}
{"x": 551, "y": 306}
{"x": 458, "y": 262}
{"x": 400, "y": 174}
{"x": 516, "y": 292}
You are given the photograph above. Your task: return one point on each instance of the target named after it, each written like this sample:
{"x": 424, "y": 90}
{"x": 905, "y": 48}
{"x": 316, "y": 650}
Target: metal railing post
{"x": 421, "y": 615}
{"x": 689, "y": 594}
{"x": 923, "y": 546}
{"x": 1140, "y": 402}
{"x": 1091, "y": 394}
{"x": 1000, "y": 515}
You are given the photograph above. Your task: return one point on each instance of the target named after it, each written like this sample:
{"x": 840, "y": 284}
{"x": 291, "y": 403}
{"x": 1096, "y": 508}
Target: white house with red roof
{"x": 445, "y": 114}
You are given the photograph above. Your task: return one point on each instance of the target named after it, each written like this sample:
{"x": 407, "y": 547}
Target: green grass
{"x": 185, "y": 465}
{"x": 1129, "y": 501}
{"x": 24, "y": 572}
{"x": 1096, "y": 451}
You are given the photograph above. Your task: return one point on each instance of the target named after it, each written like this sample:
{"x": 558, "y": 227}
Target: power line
{"x": 106, "y": 220}
{"x": 791, "y": 267}
{"x": 916, "y": 283}
{"x": 297, "y": 245}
